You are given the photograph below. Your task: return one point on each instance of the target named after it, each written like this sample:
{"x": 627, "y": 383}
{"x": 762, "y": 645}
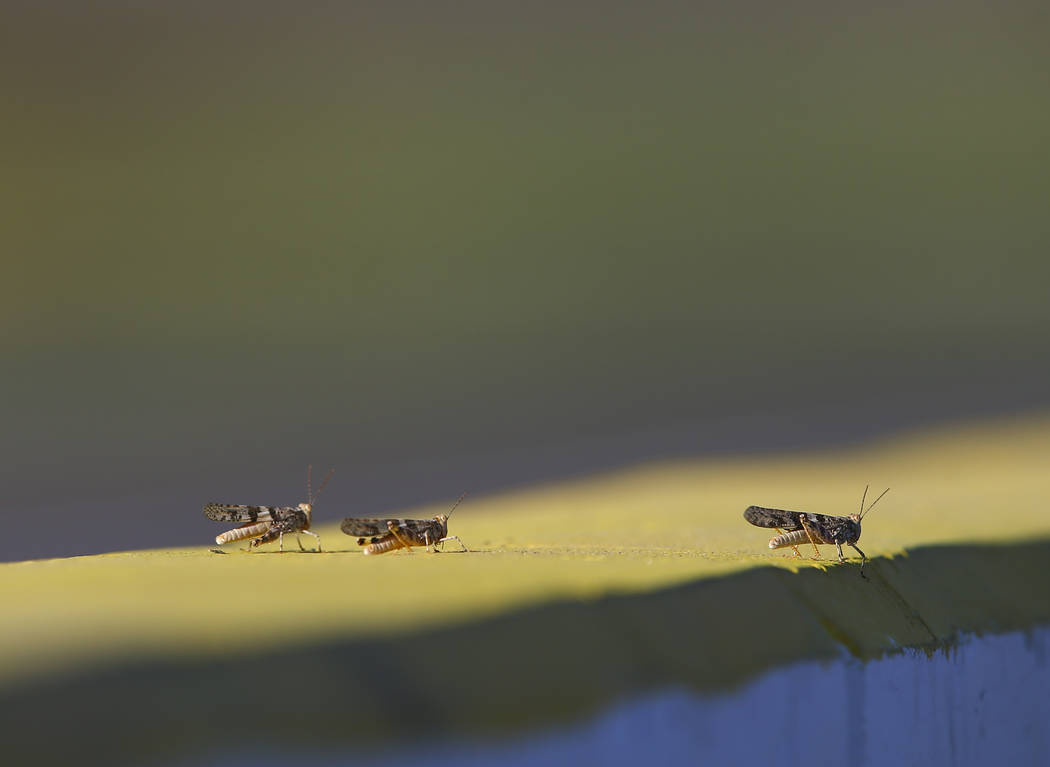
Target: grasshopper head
{"x": 854, "y": 532}
{"x": 307, "y": 509}
{"x": 442, "y": 519}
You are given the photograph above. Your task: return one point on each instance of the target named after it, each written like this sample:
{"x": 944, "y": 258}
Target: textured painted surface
{"x": 981, "y": 702}
{"x": 577, "y": 594}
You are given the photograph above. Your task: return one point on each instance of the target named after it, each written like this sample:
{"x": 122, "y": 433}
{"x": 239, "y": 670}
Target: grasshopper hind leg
{"x": 392, "y": 527}
{"x": 809, "y": 534}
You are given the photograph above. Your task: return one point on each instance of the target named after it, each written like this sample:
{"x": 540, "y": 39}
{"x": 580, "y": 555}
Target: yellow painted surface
{"x": 632, "y": 531}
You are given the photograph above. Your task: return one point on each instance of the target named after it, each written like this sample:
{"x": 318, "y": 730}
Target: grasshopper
{"x": 379, "y": 536}
{"x": 268, "y": 522}
{"x": 797, "y": 527}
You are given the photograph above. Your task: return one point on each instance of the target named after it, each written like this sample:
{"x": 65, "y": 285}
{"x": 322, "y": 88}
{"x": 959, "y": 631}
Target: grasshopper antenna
{"x": 458, "y": 501}
{"x": 324, "y": 482}
{"x": 310, "y": 497}
{"x": 863, "y": 511}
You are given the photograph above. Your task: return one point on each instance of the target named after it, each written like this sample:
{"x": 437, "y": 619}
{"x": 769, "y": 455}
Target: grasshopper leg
{"x": 816, "y": 551}
{"x": 315, "y": 535}
{"x": 863, "y": 558}
{"x": 456, "y": 539}
{"x": 392, "y": 527}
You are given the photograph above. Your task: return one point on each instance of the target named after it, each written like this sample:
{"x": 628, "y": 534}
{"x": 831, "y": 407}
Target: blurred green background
{"x": 474, "y": 245}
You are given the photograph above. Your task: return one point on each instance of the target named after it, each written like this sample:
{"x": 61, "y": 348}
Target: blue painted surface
{"x": 983, "y": 701}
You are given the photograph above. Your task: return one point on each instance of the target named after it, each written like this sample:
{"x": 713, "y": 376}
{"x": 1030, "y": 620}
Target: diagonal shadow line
{"x": 543, "y": 665}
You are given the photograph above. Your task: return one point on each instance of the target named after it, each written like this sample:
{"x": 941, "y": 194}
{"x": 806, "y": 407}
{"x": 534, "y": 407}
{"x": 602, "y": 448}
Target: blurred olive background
{"x": 475, "y": 245}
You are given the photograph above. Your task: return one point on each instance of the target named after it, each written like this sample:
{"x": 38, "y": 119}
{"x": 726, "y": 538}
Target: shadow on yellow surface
{"x": 538, "y": 665}
{"x": 574, "y": 595}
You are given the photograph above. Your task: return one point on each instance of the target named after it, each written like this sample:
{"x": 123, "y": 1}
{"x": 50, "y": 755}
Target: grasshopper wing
{"x": 415, "y": 531}
{"x": 364, "y": 527}
{"x": 763, "y": 517}
{"x": 228, "y": 512}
